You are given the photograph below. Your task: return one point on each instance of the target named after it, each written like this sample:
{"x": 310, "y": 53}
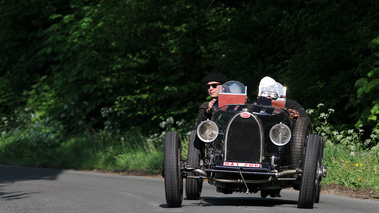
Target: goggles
{"x": 213, "y": 85}
{"x": 266, "y": 94}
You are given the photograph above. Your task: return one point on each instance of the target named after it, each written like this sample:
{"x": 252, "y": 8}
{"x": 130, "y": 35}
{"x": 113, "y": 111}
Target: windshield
{"x": 274, "y": 91}
{"x": 232, "y": 92}
{"x": 233, "y": 87}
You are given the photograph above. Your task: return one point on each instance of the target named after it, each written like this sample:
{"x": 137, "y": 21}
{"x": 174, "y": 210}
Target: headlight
{"x": 280, "y": 134}
{"x": 207, "y": 131}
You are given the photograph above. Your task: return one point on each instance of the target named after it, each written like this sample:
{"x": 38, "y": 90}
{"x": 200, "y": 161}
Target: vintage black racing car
{"x": 246, "y": 147}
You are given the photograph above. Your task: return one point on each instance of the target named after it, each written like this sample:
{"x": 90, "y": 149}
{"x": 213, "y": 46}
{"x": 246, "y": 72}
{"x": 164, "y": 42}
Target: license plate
{"x": 255, "y": 165}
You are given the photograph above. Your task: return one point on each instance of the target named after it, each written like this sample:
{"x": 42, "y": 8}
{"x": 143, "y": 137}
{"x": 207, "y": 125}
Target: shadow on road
{"x": 14, "y": 195}
{"x": 238, "y": 201}
{"x": 17, "y": 173}
{"x": 13, "y": 174}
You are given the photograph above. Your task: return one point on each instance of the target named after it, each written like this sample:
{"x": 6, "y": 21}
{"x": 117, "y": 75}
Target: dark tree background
{"x": 88, "y": 63}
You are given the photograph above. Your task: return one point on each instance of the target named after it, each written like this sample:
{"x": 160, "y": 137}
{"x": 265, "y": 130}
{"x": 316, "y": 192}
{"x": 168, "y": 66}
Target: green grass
{"x": 100, "y": 151}
{"x": 352, "y": 169}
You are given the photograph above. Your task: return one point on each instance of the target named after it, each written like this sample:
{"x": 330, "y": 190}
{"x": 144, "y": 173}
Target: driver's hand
{"x": 293, "y": 113}
{"x": 210, "y": 105}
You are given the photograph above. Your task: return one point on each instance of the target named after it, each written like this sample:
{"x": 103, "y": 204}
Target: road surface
{"x": 30, "y": 190}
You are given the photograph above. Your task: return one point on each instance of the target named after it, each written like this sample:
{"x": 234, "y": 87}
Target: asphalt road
{"x": 32, "y": 190}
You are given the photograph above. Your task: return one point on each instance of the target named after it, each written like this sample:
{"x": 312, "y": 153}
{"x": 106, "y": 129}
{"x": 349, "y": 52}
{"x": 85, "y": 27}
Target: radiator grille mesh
{"x": 243, "y": 140}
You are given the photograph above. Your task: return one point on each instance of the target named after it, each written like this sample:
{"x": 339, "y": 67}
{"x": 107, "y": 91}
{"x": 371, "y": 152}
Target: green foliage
{"x": 26, "y": 140}
{"x": 368, "y": 91}
{"x": 351, "y": 160}
{"x": 332, "y": 51}
{"x": 143, "y": 61}
{"x": 20, "y": 40}
{"x": 30, "y": 141}
{"x": 40, "y": 145}
{"x": 351, "y": 138}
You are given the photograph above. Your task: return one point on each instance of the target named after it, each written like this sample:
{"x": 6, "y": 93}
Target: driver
{"x": 270, "y": 89}
{"x": 212, "y": 83}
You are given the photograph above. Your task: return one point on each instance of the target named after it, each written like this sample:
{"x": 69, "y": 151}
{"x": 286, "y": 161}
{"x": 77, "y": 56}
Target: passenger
{"x": 212, "y": 83}
{"x": 270, "y": 89}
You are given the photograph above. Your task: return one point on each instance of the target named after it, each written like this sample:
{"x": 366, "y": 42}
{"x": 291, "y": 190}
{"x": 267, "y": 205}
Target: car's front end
{"x": 250, "y": 151}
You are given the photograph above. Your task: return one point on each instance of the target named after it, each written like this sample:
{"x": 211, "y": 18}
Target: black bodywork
{"x": 246, "y": 140}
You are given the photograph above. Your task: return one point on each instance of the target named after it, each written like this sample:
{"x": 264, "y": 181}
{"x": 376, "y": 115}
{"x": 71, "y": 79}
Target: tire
{"x": 195, "y": 150}
{"x": 309, "y": 174}
{"x": 300, "y": 132}
{"x": 173, "y": 180}
{"x": 320, "y": 166}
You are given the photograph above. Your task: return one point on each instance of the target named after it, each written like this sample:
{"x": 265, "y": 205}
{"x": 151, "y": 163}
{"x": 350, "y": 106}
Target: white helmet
{"x": 267, "y": 82}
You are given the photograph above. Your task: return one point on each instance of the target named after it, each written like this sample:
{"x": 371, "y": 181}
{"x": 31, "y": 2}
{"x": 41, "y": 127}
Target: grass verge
{"x": 95, "y": 151}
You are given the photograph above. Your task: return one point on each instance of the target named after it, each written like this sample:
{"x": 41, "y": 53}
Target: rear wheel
{"x": 171, "y": 166}
{"x": 195, "y": 150}
{"x": 309, "y": 174}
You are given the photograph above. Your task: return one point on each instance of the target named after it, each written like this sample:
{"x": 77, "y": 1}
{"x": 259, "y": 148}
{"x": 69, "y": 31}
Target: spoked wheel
{"x": 309, "y": 175}
{"x": 320, "y": 172}
{"x": 173, "y": 180}
{"x": 195, "y": 150}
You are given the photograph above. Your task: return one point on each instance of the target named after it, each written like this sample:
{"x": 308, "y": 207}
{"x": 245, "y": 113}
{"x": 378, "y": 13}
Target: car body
{"x": 249, "y": 148}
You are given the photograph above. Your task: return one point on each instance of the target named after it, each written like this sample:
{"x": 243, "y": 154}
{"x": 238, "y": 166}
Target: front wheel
{"x": 301, "y": 131}
{"x": 309, "y": 174}
{"x": 173, "y": 180}
{"x": 195, "y": 150}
